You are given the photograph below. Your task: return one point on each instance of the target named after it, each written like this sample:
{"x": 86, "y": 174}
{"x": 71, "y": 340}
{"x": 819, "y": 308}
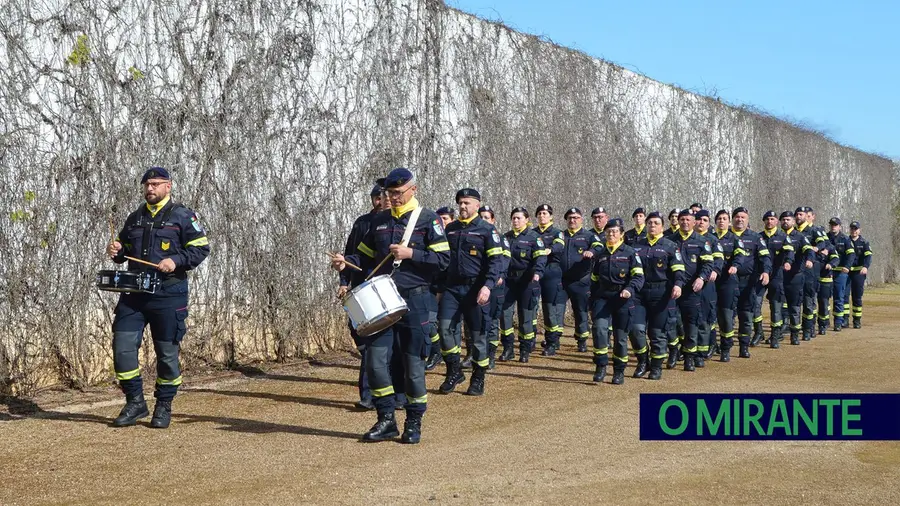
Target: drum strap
{"x": 407, "y": 234}
{"x": 149, "y": 224}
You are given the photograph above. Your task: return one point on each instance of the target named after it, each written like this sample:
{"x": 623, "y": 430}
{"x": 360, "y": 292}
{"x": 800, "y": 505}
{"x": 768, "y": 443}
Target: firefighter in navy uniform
{"x": 547, "y": 231}
{"x": 616, "y": 278}
{"x": 599, "y": 218}
{"x": 168, "y": 234}
{"x": 843, "y": 247}
{"x": 528, "y": 258}
{"x": 795, "y": 277}
{"x": 476, "y": 261}
{"x": 672, "y": 231}
{"x": 426, "y": 254}
{"x": 663, "y": 284}
{"x": 697, "y": 254}
{"x": 782, "y": 251}
{"x": 828, "y": 260}
{"x": 726, "y": 286}
{"x": 752, "y": 264}
{"x": 640, "y": 227}
{"x": 498, "y": 294}
{"x": 571, "y": 254}
{"x": 858, "y": 272}
{"x": 817, "y": 237}
{"x": 446, "y": 215}
{"x": 709, "y": 296}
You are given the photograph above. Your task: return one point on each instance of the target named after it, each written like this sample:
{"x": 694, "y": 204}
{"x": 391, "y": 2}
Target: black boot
{"x": 454, "y": 375}
{"x": 476, "y": 385}
{"x": 699, "y": 361}
{"x": 795, "y": 338}
{"x": 655, "y": 369}
{"x": 385, "y": 428}
{"x": 582, "y": 345}
{"x": 550, "y": 350}
{"x": 525, "y": 349}
{"x": 134, "y": 409}
{"x": 807, "y": 333}
{"x": 599, "y": 373}
{"x": 673, "y": 357}
{"x": 725, "y": 354}
{"x": 466, "y": 362}
{"x": 641, "y": 370}
{"x": 618, "y": 373}
{"x": 434, "y": 358}
{"x": 688, "y": 362}
{"x": 508, "y": 353}
{"x": 365, "y": 404}
{"x": 713, "y": 350}
{"x": 745, "y": 351}
{"x": 412, "y": 429}
{"x": 492, "y": 352}
{"x": 162, "y": 415}
{"x": 857, "y": 322}
{"x": 823, "y": 329}
{"x": 757, "y": 334}
{"x": 773, "y": 339}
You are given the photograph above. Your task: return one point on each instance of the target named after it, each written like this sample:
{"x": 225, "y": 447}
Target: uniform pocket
{"x": 181, "y": 324}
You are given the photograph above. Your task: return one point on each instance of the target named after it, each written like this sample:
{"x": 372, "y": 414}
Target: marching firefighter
{"x": 709, "y": 295}
{"x": 795, "y": 277}
{"x": 726, "y": 286}
{"x": 805, "y": 219}
{"x": 697, "y": 254}
{"x": 640, "y": 227}
{"x": 843, "y": 247}
{"x": 498, "y": 294}
{"x": 753, "y": 264}
{"x": 547, "y": 231}
{"x": 781, "y": 248}
{"x": 858, "y": 272}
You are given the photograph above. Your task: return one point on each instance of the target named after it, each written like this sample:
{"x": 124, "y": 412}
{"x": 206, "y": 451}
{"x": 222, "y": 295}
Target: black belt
{"x": 409, "y": 292}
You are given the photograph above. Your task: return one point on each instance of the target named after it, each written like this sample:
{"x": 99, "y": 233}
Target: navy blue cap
{"x": 486, "y": 209}
{"x": 518, "y": 210}
{"x": 701, "y": 213}
{"x": 471, "y": 193}
{"x": 854, "y": 224}
{"x": 378, "y": 188}
{"x": 572, "y": 210}
{"x": 655, "y": 214}
{"x": 769, "y": 214}
{"x": 446, "y": 210}
{"x": 785, "y": 215}
{"x": 674, "y": 211}
{"x": 598, "y": 210}
{"x": 637, "y": 211}
{"x": 834, "y": 221}
{"x": 685, "y": 212}
{"x": 695, "y": 204}
{"x": 155, "y": 173}
{"x": 740, "y": 209}
{"x": 614, "y": 222}
{"x": 721, "y": 212}
{"x": 544, "y": 207}
{"x": 398, "y": 177}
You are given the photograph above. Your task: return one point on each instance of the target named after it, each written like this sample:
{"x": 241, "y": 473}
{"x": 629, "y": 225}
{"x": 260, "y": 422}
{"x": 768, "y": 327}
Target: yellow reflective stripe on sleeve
{"x": 127, "y": 375}
{"x": 763, "y": 252}
{"x": 439, "y": 246}
{"x": 719, "y": 255}
{"x": 417, "y": 400}
{"x": 858, "y": 268}
{"x": 677, "y": 267}
{"x": 834, "y": 255}
{"x": 637, "y": 270}
{"x": 788, "y": 247}
{"x": 506, "y": 253}
{"x": 383, "y": 392}
{"x": 435, "y": 338}
{"x": 559, "y": 241}
{"x": 200, "y": 241}
{"x": 595, "y": 244}
{"x": 806, "y": 247}
{"x": 708, "y": 258}
{"x": 494, "y": 251}
{"x": 540, "y": 253}
{"x": 365, "y": 250}
{"x": 867, "y": 254}
{"x": 740, "y": 251}
{"x": 173, "y": 382}
{"x": 595, "y": 277}
{"x": 825, "y": 280}
{"x": 850, "y": 250}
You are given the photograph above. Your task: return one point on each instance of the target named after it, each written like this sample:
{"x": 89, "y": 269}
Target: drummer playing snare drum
{"x": 168, "y": 234}
{"x": 423, "y": 258}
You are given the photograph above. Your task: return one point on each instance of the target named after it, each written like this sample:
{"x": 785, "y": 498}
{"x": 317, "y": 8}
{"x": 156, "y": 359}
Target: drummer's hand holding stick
{"x": 401, "y": 252}
{"x": 337, "y": 262}
{"x": 113, "y": 248}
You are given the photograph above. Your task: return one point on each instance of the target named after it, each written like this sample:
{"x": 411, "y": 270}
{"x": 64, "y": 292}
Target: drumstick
{"x": 348, "y": 264}
{"x": 390, "y": 255}
{"x": 112, "y": 231}
{"x": 138, "y": 260}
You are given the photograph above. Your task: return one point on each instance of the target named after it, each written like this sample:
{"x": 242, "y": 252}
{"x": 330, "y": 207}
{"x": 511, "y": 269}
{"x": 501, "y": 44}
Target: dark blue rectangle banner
{"x": 858, "y": 417}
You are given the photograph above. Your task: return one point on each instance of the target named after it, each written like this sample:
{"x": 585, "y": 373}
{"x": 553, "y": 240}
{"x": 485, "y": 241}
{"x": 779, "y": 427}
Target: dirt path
{"x": 543, "y": 433}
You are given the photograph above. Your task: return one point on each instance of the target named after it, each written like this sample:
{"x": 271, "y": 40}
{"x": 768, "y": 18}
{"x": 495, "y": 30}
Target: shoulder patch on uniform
{"x": 540, "y": 243}
{"x": 637, "y": 259}
{"x": 438, "y": 227}
{"x": 506, "y": 242}
{"x": 560, "y": 235}
{"x": 196, "y": 223}
{"x": 495, "y": 235}
{"x": 719, "y": 247}
{"x": 706, "y": 247}
{"x": 678, "y": 255}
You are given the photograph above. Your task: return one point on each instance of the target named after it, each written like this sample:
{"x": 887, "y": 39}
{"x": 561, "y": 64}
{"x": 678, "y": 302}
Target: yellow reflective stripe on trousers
{"x": 417, "y": 400}
{"x": 640, "y": 351}
{"x": 456, "y": 350}
{"x": 526, "y": 337}
{"x": 601, "y": 351}
{"x": 620, "y": 359}
{"x": 172, "y": 382}
{"x": 127, "y": 375}
{"x": 435, "y": 338}
{"x": 383, "y": 392}
{"x": 483, "y": 363}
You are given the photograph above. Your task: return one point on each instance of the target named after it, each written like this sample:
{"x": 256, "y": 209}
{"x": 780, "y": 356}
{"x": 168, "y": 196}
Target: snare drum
{"x": 128, "y": 281}
{"x": 374, "y": 305}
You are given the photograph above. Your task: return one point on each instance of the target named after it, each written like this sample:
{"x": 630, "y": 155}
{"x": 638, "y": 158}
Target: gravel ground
{"x": 543, "y": 433}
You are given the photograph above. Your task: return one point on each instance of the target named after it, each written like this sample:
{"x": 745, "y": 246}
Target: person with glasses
{"x": 425, "y": 255}
{"x": 167, "y": 234}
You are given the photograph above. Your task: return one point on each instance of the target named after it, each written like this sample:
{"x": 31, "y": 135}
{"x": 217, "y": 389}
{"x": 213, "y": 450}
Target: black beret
{"x": 572, "y": 210}
{"x": 721, "y": 212}
{"x": 834, "y": 221}
{"x": 637, "y": 211}
{"x": 769, "y": 214}
{"x": 446, "y": 210}
{"x": 696, "y": 205}
{"x": 376, "y": 190}
{"x": 799, "y": 210}
{"x": 685, "y": 212}
{"x": 740, "y": 209}
{"x": 155, "y": 173}
{"x": 486, "y": 209}
{"x": 468, "y": 192}
{"x": 598, "y": 210}
{"x": 785, "y": 215}
{"x": 854, "y": 224}
{"x": 674, "y": 211}
{"x": 701, "y": 214}
{"x": 808, "y": 209}
{"x": 544, "y": 207}
{"x": 614, "y": 222}
{"x": 398, "y": 177}
{"x": 519, "y": 210}
{"x": 655, "y": 214}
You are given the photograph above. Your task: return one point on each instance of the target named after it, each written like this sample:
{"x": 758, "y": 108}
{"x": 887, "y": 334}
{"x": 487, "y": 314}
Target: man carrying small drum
{"x": 168, "y": 234}
{"x": 426, "y": 254}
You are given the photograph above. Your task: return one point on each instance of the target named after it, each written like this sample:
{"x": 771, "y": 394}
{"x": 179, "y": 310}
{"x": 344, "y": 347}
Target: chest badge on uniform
{"x": 693, "y": 259}
{"x": 164, "y": 245}
{"x": 580, "y": 250}
{"x": 522, "y": 254}
{"x": 622, "y": 273}
{"x": 659, "y": 263}
{"x": 473, "y": 252}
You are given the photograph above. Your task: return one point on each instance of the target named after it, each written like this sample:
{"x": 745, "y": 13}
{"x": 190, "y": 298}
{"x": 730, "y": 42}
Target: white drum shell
{"x": 375, "y": 305}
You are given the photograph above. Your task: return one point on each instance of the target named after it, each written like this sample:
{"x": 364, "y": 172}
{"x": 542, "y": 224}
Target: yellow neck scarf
{"x": 154, "y": 208}
{"x": 397, "y": 212}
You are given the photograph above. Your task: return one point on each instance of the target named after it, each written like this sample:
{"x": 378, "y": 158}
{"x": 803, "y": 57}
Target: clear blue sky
{"x": 832, "y": 64}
